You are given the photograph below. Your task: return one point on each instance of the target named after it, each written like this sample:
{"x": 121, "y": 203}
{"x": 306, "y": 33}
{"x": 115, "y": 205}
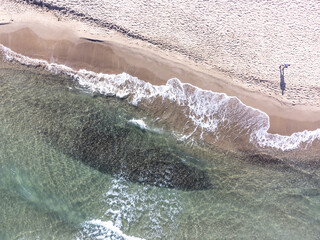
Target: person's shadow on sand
{"x": 282, "y": 82}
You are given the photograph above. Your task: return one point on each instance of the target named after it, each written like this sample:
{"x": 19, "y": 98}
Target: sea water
{"x": 59, "y": 181}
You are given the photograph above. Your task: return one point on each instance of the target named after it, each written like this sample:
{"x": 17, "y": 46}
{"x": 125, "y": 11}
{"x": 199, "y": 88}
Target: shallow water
{"x": 50, "y": 187}
{"x": 193, "y": 113}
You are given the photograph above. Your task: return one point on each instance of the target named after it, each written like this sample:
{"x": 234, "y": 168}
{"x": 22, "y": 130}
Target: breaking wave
{"x": 105, "y": 230}
{"x": 142, "y": 203}
{"x": 196, "y": 113}
{"x": 140, "y": 123}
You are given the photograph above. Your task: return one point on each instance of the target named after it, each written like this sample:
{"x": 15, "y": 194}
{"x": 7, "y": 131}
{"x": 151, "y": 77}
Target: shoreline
{"x": 67, "y": 43}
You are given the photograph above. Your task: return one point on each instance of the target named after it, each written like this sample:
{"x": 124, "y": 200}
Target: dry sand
{"x": 44, "y": 34}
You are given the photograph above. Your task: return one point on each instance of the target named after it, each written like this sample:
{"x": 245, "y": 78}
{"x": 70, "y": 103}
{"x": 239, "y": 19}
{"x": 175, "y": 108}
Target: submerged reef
{"x": 114, "y": 146}
{"x": 123, "y": 151}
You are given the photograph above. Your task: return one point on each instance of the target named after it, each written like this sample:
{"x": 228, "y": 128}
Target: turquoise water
{"x": 74, "y": 165}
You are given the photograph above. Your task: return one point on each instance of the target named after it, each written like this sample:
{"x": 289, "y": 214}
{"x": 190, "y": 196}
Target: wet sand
{"x": 45, "y": 37}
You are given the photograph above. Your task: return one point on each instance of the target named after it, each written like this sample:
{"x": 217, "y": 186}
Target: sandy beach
{"x": 79, "y": 41}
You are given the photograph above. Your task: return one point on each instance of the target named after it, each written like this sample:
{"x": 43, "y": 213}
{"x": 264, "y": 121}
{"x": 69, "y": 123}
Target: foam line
{"x": 211, "y": 113}
{"x": 110, "y": 227}
{"x": 139, "y": 122}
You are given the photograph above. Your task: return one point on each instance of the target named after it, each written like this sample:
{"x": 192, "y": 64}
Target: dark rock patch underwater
{"x": 129, "y": 152}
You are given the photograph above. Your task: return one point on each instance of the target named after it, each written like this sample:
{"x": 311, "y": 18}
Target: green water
{"x": 51, "y": 188}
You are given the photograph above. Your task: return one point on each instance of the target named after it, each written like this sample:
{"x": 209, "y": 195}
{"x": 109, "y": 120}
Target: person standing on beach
{"x": 282, "y": 82}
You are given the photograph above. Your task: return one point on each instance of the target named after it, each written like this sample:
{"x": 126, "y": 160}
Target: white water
{"x": 127, "y": 204}
{"x": 107, "y": 230}
{"x": 143, "y": 125}
{"x": 212, "y": 113}
{"x": 140, "y": 123}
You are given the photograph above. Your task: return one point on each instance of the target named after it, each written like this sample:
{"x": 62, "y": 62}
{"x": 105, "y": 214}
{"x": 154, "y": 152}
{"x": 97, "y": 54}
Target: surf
{"x": 196, "y": 114}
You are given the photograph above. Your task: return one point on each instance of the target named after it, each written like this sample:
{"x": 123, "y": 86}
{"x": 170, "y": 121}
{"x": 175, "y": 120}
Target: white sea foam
{"x": 144, "y": 205}
{"x": 107, "y": 230}
{"x": 130, "y": 207}
{"x": 302, "y": 140}
{"x": 140, "y": 123}
{"x": 225, "y": 118}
